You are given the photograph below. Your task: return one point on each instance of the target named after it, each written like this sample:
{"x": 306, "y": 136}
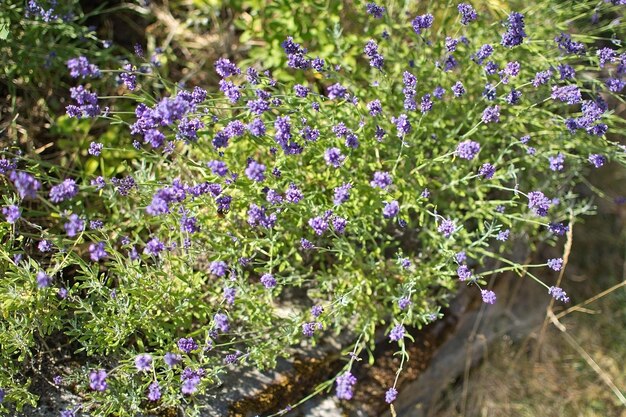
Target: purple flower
{"x": 457, "y": 89}
{"x": 172, "y": 359}
{"x": 468, "y": 14}
{"x": 512, "y": 69}
{"x": 255, "y": 171}
{"x": 391, "y": 209}
{"x": 606, "y": 55}
{"x": 597, "y": 160}
{"x": 333, "y": 157}
{"x": 555, "y": 264}
{"x": 44, "y": 246}
{"x": 375, "y": 10}
{"x": 487, "y": 170}
{"x": 558, "y": 229}
{"x": 268, "y": 281}
{"x": 80, "y": 67}
{"x": 218, "y": 268}
{"x": 381, "y": 180}
{"x": 615, "y": 85}
{"x": 491, "y": 114}
{"x": 186, "y": 345}
{"x": 293, "y": 194}
{"x": 97, "y": 380}
{"x": 43, "y": 280}
{"x": 566, "y": 71}
{"x": 397, "y": 333}
{"x": 154, "y": 247}
{"x": 403, "y": 126}
{"x": 225, "y": 68}
{"x": 95, "y": 148}
{"x": 301, "y": 90}
{"x": 556, "y": 162}
{"x": 558, "y": 294}
{"x": 25, "y": 184}
{"x": 567, "y": 45}
{"x": 308, "y": 329}
{"x": 569, "y": 94}
{"x": 11, "y": 213}
{"x": 256, "y": 127}
{"x": 515, "y": 34}
{"x": 230, "y": 90}
{"x": 374, "y": 107}
{"x": 345, "y": 384}
{"x": 446, "y": 228}
{"x": 342, "y": 194}
{"x": 391, "y": 395}
{"x": 64, "y": 191}
{"x": 317, "y": 311}
{"x": 143, "y": 362}
{"x": 74, "y": 226}
{"x": 229, "y": 295}
{"x": 336, "y": 91}
{"x": 489, "y": 297}
{"x": 97, "y": 252}
{"x": 339, "y": 224}
{"x": 542, "y": 77}
{"x": 463, "y": 272}
{"x": 318, "y": 224}
{"x": 483, "y": 53}
{"x": 422, "y": 22}
{"x": 513, "y": 97}
{"x": 257, "y": 216}
{"x": 306, "y": 244}
{"x": 503, "y": 235}
{"x": 467, "y": 149}
{"x": 154, "y": 392}
{"x": 221, "y": 322}
{"x": 460, "y": 257}
{"x": 404, "y": 303}
{"x": 190, "y": 385}
{"x": 538, "y": 203}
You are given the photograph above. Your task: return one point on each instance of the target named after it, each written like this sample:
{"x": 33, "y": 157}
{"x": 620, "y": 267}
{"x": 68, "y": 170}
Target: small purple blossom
{"x": 555, "y": 264}
{"x": 95, "y": 148}
{"x": 391, "y": 209}
{"x": 64, "y": 191}
{"x": 375, "y": 10}
{"x": 97, "y": 380}
{"x": 397, "y": 333}
{"x": 487, "y": 170}
{"x": 489, "y": 297}
{"x": 597, "y": 160}
{"x": 255, "y": 171}
{"x": 556, "y": 162}
{"x": 463, "y": 272}
{"x": 268, "y": 281}
{"x": 538, "y": 203}
{"x": 143, "y": 362}
{"x": 154, "y": 392}
{"x": 43, "y": 280}
{"x": 11, "y": 213}
{"x": 468, "y": 14}
{"x": 491, "y": 114}
{"x": 391, "y": 395}
{"x": 333, "y": 157}
{"x": 97, "y": 252}
{"x": 382, "y": 180}
{"x": 422, "y": 22}
{"x": 558, "y": 294}
{"x": 345, "y": 385}
{"x": 467, "y": 149}
{"x": 446, "y": 228}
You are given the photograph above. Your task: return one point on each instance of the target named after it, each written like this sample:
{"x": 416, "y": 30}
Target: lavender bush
{"x": 374, "y": 188}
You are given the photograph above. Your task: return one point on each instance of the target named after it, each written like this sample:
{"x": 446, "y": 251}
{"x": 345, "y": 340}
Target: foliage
{"x": 215, "y": 230}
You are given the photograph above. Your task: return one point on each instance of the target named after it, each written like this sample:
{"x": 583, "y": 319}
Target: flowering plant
{"x": 263, "y": 215}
